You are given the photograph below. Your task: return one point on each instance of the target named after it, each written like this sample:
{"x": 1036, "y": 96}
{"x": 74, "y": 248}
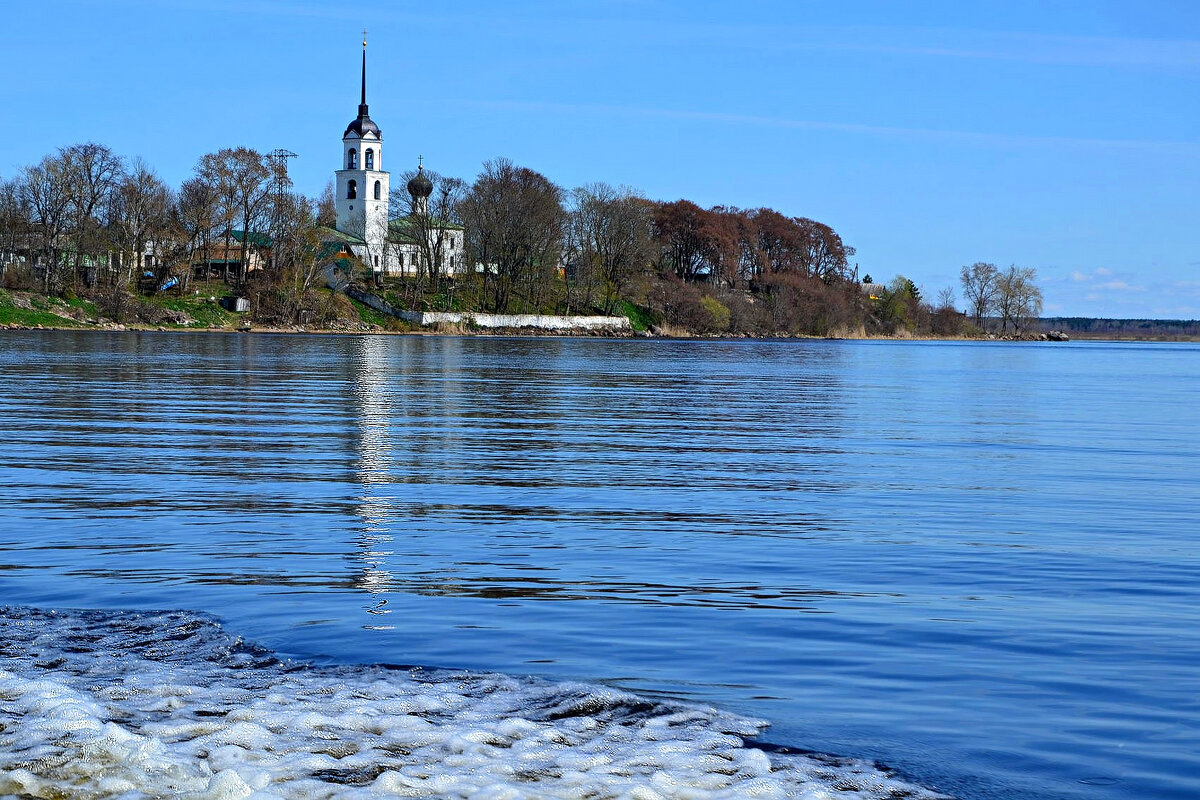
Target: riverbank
{"x": 468, "y": 330}
{"x": 21, "y": 310}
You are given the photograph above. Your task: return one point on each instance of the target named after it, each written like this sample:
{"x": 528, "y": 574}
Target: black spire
{"x": 362, "y": 104}
{"x": 363, "y": 125}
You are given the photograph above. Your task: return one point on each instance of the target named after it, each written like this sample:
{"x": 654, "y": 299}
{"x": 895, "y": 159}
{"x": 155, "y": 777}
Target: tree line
{"x": 89, "y": 221}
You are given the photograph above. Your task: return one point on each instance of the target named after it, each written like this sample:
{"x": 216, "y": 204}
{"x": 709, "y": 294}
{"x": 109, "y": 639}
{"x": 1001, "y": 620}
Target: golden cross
{"x": 364, "y": 37}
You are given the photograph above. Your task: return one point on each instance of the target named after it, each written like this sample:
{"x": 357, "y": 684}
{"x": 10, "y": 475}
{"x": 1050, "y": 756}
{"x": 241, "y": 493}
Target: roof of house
{"x": 256, "y": 238}
{"x": 329, "y": 234}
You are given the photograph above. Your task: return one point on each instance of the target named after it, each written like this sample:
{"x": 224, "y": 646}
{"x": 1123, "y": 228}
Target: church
{"x": 387, "y": 241}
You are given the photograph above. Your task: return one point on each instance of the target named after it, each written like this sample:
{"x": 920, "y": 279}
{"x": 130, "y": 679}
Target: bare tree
{"x": 430, "y": 218}
{"x": 46, "y": 190}
{"x": 15, "y": 223}
{"x": 92, "y": 173}
{"x": 295, "y": 243}
{"x": 242, "y": 180}
{"x": 327, "y": 207}
{"x": 140, "y": 213}
{"x": 825, "y": 256}
{"x": 945, "y": 298}
{"x": 693, "y": 242}
{"x": 514, "y": 223}
{"x": 610, "y": 242}
{"x": 1018, "y": 298}
{"x": 980, "y": 283}
{"x": 199, "y": 216}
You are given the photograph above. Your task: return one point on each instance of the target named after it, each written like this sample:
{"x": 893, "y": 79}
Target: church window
{"x": 378, "y": 185}
{"x": 370, "y": 158}
{"x": 352, "y": 159}
{"x": 351, "y": 190}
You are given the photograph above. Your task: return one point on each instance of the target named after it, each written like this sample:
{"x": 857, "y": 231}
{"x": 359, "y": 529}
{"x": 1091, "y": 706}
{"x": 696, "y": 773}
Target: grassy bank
{"x": 26, "y": 310}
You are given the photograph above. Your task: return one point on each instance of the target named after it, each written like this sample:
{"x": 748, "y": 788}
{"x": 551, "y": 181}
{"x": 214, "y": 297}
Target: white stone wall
{"x": 538, "y": 321}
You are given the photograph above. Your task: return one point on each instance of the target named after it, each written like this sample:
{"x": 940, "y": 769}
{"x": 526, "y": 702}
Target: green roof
{"x": 333, "y": 235}
{"x": 329, "y": 250}
{"x": 256, "y": 238}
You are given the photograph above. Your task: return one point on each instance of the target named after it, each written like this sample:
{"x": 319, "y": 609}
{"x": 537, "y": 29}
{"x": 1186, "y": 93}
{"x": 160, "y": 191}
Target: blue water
{"x": 975, "y": 562}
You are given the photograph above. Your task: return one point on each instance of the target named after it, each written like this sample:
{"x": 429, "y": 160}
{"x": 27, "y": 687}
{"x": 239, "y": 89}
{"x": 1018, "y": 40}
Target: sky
{"x": 931, "y": 134}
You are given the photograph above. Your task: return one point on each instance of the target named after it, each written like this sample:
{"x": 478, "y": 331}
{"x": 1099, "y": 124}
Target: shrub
{"x": 19, "y": 277}
{"x": 718, "y": 315}
{"x": 149, "y": 313}
{"x": 116, "y": 303}
{"x": 800, "y": 304}
{"x": 748, "y": 314}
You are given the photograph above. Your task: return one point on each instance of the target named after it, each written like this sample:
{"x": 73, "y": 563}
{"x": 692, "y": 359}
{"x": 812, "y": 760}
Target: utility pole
{"x": 278, "y": 159}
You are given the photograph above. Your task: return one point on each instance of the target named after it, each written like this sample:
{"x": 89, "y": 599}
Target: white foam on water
{"x": 135, "y": 705}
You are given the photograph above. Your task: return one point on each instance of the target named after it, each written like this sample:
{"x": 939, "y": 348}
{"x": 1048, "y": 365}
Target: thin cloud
{"x": 965, "y": 137}
{"x": 1087, "y": 277}
{"x": 1168, "y": 54}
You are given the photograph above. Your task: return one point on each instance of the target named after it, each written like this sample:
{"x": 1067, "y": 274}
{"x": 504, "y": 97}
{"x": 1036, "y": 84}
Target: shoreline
{"x": 561, "y": 334}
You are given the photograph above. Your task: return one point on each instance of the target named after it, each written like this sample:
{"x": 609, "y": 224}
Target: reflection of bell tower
{"x": 361, "y": 185}
{"x": 374, "y": 394}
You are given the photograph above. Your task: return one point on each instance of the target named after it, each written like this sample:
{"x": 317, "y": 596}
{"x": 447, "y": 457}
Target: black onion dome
{"x": 420, "y": 185}
{"x": 363, "y": 125}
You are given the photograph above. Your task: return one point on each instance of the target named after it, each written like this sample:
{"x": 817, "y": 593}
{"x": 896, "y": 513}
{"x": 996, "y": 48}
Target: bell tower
{"x": 361, "y": 186}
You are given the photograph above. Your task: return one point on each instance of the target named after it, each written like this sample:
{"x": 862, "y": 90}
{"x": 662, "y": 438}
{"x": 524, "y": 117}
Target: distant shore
{"x": 369, "y": 330}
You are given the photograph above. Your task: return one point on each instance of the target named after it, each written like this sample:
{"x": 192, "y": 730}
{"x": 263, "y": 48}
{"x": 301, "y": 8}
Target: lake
{"x": 511, "y": 567}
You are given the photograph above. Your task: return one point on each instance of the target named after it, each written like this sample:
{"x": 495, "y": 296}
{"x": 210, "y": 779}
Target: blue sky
{"x": 1063, "y": 136}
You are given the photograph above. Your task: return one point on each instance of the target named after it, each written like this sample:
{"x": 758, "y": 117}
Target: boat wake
{"x": 101, "y": 704}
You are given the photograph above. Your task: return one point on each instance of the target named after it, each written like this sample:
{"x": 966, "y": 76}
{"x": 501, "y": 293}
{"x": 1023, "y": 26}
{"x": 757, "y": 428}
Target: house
{"x": 223, "y": 257}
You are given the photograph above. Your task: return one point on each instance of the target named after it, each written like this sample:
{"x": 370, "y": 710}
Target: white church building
{"x": 389, "y": 245}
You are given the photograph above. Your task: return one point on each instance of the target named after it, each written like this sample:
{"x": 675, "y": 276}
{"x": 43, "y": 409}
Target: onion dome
{"x": 363, "y": 125}
{"x": 420, "y": 186}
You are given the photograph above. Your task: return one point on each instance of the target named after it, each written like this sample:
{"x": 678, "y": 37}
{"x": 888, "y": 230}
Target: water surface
{"x": 972, "y": 561}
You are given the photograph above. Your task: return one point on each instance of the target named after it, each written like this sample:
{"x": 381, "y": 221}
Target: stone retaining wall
{"x": 515, "y": 321}
{"x": 541, "y": 322}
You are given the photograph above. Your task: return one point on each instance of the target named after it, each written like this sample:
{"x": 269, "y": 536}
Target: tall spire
{"x": 362, "y": 104}
{"x": 363, "y": 125}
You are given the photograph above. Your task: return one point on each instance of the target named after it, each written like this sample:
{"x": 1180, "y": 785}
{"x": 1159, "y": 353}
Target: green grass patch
{"x": 205, "y": 312}
{"x": 13, "y": 312}
{"x": 642, "y": 319}
{"x": 386, "y": 321}
{"x": 86, "y": 306}
{"x": 370, "y": 315}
